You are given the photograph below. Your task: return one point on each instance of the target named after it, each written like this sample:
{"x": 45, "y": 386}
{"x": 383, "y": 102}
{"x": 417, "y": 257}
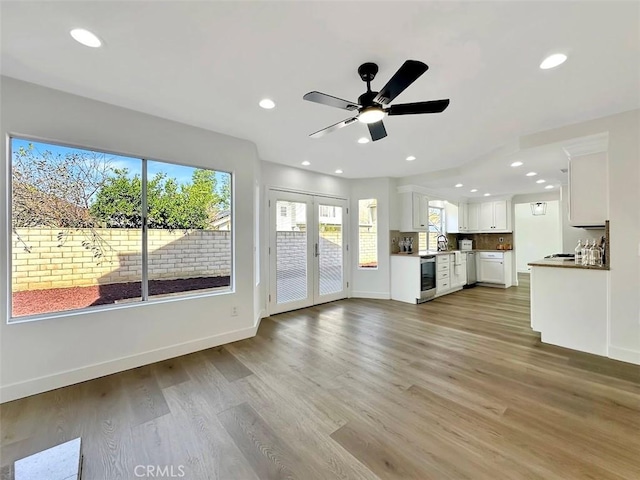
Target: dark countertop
{"x": 560, "y": 263}
{"x": 433, "y": 252}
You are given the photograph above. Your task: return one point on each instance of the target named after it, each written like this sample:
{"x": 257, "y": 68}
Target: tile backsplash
{"x": 487, "y": 241}
{"x": 395, "y": 236}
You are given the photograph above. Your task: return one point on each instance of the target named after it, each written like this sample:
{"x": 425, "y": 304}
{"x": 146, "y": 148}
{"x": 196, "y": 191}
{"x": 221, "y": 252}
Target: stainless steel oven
{"x": 427, "y": 278}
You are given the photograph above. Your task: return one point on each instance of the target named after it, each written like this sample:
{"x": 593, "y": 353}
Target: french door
{"x": 307, "y": 250}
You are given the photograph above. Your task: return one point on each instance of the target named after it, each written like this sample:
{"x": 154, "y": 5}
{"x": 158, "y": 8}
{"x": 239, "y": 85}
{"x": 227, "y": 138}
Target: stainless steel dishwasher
{"x": 472, "y": 276}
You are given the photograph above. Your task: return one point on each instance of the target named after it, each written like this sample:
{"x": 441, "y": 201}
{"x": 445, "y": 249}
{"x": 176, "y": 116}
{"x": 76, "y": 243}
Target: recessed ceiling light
{"x": 548, "y": 187}
{"x": 540, "y": 181}
{"x": 267, "y": 103}
{"x": 516, "y": 164}
{"x": 85, "y": 37}
{"x": 553, "y": 61}
{"x": 473, "y": 190}
{"x": 363, "y": 140}
{"x": 306, "y": 163}
{"x": 531, "y": 174}
{"x": 487, "y": 194}
{"x": 410, "y": 158}
{"x": 338, "y": 171}
{"x": 458, "y": 185}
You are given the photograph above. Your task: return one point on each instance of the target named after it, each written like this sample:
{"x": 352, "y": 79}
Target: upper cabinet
{"x": 494, "y": 216}
{"x": 452, "y": 217}
{"x": 486, "y": 217}
{"x": 587, "y": 205}
{"x": 588, "y": 202}
{"x": 415, "y": 212}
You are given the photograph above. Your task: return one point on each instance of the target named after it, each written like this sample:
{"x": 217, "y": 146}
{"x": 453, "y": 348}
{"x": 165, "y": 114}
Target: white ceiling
{"x": 209, "y": 63}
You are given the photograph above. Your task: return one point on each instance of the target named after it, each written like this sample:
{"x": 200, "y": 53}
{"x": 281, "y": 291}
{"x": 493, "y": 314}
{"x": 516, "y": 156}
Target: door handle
{"x": 316, "y": 250}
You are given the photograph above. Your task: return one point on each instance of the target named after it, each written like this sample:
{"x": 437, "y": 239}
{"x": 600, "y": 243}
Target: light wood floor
{"x": 457, "y": 388}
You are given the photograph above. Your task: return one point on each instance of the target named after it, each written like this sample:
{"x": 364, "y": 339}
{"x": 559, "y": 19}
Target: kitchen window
{"x": 368, "y": 233}
{"x": 94, "y": 229}
{"x": 429, "y": 240}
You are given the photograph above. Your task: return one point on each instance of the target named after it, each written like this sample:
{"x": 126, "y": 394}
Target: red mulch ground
{"x": 32, "y": 302}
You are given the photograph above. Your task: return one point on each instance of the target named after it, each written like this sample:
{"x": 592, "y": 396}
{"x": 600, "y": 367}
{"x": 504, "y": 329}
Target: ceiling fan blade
{"x": 330, "y": 101}
{"x": 405, "y": 76}
{"x": 334, "y": 127}
{"x": 377, "y": 130}
{"x": 433, "y": 106}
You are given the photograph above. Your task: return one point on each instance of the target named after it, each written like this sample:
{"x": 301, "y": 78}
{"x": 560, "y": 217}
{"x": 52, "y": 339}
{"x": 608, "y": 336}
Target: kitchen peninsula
{"x": 569, "y": 304}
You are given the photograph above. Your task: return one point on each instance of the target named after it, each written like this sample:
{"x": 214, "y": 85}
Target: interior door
{"x": 307, "y": 250}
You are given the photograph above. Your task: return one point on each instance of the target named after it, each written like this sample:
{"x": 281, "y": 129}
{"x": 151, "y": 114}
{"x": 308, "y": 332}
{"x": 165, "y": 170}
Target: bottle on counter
{"x": 587, "y": 252}
{"x": 578, "y": 253}
{"x": 596, "y": 255}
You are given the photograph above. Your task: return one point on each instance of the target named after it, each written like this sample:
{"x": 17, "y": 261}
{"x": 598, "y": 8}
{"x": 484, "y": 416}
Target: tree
{"x": 54, "y": 189}
{"x": 170, "y": 206}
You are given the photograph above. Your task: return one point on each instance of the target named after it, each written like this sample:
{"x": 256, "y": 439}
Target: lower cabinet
{"x": 458, "y": 271}
{"x": 450, "y": 276}
{"x": 443, "y": 279}
{"x": 495, "y": 267}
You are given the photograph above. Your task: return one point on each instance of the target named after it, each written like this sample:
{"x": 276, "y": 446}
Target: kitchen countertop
{"x": 433, "y": 252}
{"x": 560, "y": 263}
{"x": 422, "y": 253}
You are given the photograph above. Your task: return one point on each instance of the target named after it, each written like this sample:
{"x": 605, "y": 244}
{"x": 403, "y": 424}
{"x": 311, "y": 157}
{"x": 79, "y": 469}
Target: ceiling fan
{"x": 372, "y": 106}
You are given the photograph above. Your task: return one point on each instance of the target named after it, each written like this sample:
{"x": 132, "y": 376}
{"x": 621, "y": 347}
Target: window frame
{"x": 144, "y": 300}
{"x": 359, "y": 266}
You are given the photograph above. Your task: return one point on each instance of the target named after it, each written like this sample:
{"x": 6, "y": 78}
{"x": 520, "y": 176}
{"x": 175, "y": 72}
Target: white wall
{"x": 624, "y": 217}
{"x": 366, "y": 282}
{"x": 536, "y": 236}
{"x": 40, "y": 355}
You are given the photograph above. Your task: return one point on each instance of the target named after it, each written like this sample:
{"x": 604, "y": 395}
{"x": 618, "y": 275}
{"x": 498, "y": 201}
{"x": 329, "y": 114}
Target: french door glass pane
{"x": 291, "y": 251}
{"x": 330, "y": 249}
{"x": 189, "y": 229}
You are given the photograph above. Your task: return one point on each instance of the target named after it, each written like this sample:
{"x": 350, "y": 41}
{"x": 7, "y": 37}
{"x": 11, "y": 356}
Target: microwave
{"x": 466, "y": 245}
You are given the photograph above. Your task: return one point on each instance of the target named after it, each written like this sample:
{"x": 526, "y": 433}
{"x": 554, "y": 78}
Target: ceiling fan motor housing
{"x": 367, "y": 71}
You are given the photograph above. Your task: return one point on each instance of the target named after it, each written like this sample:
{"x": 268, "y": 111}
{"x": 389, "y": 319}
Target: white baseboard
{"x": 42, "y": 384}
{"x": 375, "y": 295}
{"x": 624, "y": 354}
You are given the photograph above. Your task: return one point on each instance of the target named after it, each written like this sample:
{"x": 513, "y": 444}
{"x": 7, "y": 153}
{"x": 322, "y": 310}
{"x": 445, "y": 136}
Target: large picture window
{"x": 93, "y": 229}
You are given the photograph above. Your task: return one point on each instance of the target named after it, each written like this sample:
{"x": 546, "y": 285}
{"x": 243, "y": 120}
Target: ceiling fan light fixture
{"x": 371, "y": 115}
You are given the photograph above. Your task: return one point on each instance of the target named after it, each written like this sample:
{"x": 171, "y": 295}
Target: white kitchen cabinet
{"x": 415, "y": 212}
{"x": 405, "y": 278}
{"x": 495, "y": 268}
{"x": 588, "y": 195}
{"x": 452, "y": 217}
{"x": 463, "y": 217}
{"x": 494, "y": 216}
{"x": 485, "y": 222}
{"x": 443, "y": 274}
{"x": 473, "y": 217}
{"x": 458, "y": 271}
